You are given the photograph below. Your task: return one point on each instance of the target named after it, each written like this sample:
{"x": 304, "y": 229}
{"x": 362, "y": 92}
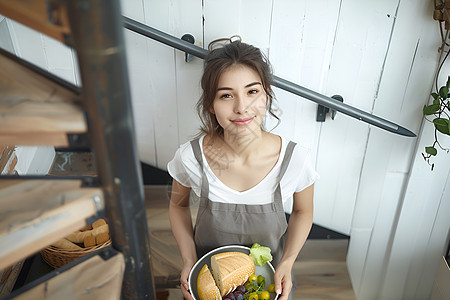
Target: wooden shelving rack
{"x": 36, "y": 108}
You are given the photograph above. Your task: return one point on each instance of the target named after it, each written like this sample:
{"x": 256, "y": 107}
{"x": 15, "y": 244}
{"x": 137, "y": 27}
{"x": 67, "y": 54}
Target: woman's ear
{"x": 211, "y": 110}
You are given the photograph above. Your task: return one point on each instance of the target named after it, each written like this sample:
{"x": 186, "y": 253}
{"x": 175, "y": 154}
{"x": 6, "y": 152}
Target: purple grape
{"x": 230, "y": 296}
{"x": 239, "y": 295}
{"x": 241, "y": 288}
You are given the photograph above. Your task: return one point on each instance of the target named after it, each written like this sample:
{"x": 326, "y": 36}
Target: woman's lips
{"x": 242, "y": 122}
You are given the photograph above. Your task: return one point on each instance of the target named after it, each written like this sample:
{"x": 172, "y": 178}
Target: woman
{"x": 246, "y": 177}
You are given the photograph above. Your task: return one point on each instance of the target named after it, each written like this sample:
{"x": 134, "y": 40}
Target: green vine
{"x": 440, "y": 109}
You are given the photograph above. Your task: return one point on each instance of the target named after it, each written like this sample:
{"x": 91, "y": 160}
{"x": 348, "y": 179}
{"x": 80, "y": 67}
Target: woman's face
{"x": 240, "y": 101}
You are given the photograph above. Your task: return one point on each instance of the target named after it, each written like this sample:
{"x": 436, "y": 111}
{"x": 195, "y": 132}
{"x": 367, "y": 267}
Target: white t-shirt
{"x": 300, "y": 174}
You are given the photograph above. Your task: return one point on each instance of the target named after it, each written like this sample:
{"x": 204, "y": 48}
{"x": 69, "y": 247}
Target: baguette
{"x": 206, "y": 286}
{"x": 231, "y": 269}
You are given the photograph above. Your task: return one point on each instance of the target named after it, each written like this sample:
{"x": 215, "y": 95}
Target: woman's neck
{"x": 244, "y": 146}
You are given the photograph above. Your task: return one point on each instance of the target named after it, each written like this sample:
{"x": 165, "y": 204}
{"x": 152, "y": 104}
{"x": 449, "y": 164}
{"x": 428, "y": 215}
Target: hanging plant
{"x": 440, "y": 109}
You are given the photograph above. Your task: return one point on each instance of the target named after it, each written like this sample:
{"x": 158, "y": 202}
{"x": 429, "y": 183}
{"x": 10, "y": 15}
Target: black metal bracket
{"x": 322, "y": 111}
{"x": 188, "y": 38}
{"x": 79, "y": 141}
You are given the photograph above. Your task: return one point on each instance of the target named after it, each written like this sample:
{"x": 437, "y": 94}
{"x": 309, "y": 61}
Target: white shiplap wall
{"x": 381, "y": 56}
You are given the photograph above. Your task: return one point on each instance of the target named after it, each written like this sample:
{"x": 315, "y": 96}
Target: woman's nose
{"x": 240, "y": 105}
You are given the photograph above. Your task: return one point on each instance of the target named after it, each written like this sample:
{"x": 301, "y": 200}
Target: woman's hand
{"x": 184, "y": 281}
{"x": 283, "y": 281}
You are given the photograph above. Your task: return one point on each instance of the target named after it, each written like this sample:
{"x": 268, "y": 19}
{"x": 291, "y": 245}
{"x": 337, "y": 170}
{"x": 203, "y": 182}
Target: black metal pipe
{"x": 296, "y": 89}
{"x": 99, "y": 41}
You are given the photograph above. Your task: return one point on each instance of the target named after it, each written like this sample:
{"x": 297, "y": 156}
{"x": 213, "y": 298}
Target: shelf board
{"x": 97, "y": 275}
{"x": 36, "y": 14}
{"x": 35, "y": 213}
{"x": 34, "y": 110}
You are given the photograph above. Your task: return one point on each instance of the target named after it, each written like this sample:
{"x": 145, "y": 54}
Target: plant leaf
{"x": 431, "y": 150}
{"x": 436, "y": 101}
{"x": 435, "y": 96}
{"x": 443, "y": 92}
{"x": 430, "y": 109}
{"x": 448, "y": 82}
{"x": 442, "y": 125}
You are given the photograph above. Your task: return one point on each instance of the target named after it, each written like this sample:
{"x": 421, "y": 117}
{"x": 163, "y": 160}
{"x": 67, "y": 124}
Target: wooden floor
{"x": 320, "y": 270}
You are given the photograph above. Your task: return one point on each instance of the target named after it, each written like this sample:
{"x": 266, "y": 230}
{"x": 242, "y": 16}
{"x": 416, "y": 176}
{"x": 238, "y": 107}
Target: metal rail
{"x": 277, "y": 81}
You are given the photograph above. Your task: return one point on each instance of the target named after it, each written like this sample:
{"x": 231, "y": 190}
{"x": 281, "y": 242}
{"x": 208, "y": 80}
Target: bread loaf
{"x": 206, "y": 286}
{"x": 231, "y": 269}
{"x": 80, "y": 236}
{"x": 98, "y": 223}
{"x": 66, "y": 244}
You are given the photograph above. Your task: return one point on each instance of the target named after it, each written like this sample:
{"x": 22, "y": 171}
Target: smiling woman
{"x": 240, "y": 102}
{"x": 220, "y": 61}
{"x": 246, "y": 178}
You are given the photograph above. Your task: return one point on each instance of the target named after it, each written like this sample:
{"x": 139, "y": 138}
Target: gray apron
{"x": 220, "y": 224}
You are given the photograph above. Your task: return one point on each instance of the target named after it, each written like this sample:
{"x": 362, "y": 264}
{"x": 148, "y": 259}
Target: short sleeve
{"x": 177, "y": 170}
{"x": 307, "y": 175}
{"x": 184, "y": 168}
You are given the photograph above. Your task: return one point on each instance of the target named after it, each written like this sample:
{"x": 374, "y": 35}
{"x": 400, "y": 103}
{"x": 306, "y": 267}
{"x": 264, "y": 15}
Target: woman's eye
{"x": 253, "y": 91}
{"x": 225, "y": 96}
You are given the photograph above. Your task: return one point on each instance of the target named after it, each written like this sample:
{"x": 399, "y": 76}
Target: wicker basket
{"x": 57, "y": 257}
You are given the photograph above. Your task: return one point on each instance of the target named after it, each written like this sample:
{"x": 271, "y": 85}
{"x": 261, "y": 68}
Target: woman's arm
{"x": 300, "y": 223}
{"x": 181, "y": 222}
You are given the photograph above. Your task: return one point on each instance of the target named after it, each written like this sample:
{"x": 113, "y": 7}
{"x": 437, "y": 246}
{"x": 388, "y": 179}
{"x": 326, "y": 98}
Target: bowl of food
{"x": 230, "y": 273}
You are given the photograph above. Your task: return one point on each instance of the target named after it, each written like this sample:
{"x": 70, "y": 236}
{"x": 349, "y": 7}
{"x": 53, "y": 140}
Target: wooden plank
{"x": 57, "y": 139}
{"x": 35, "y": 213}
{"x": 32, "y": 103}
{"x": 9, "y": 277}
{"x": 36, "y": 14}
{"x": 94, "y": 278}
{"x": 5, "y": 154}
{"x": 441, "y": 288}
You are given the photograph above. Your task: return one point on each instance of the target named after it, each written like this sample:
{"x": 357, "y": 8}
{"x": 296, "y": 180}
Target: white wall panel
{"x": 250, "y": 19}
{"x": 175, "y": 18}
{"x": 60, "y": 58}
{"x": 422, "y": 229}
{"x": 358, "y": 249}
{"x": 5, "y": 37}
{"x": 359, "y": 50}
{"x": 139, "y": 73}
{"x": 301, "y": 39}
{"x": 408, "y": 62}
{"x": 375, "y": 262}
{"x": 28, "y": 44}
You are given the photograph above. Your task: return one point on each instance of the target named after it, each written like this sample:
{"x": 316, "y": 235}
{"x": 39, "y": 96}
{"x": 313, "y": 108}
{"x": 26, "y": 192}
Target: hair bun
{"x": 219, "y": 43}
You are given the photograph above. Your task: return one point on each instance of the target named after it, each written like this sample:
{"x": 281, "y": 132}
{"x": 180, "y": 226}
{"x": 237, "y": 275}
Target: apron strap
{"x": 204, "y": 193}
{"x": 278, "y": 198}
{"x": 287, "y": 158}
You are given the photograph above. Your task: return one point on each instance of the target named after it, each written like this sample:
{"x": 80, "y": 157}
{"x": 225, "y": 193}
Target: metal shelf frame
{"x": 98, "y": 38}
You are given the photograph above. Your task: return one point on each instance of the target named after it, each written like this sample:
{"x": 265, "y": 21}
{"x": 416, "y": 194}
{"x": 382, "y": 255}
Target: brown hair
{"x": 233, "y": 52}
